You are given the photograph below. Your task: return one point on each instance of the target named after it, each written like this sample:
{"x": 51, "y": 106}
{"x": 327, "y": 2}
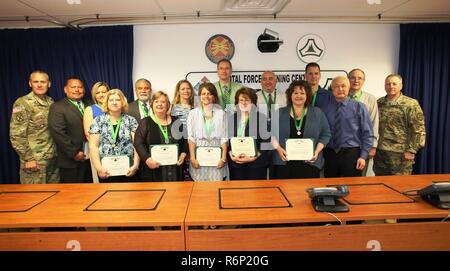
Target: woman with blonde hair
{"x": 160, "y": 128}
{"x": 182, "y": 104}
{"x": 98, "y": 93}
{"x": 184, "y": 95}
{"x": 112, "y": 134}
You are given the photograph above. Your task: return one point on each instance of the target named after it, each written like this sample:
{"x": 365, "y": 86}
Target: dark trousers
{"x": 296, "y": 170}
{"x": 119, "y": 179}
{"x": 80, "y": 174}
{"x": 341, "y": 164}
{"x": 244, "y": 172}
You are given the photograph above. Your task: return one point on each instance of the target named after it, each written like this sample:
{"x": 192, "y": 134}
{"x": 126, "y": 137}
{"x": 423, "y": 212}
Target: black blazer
{"x": 65, "y": 123}
{"x": 254, "y": 125}
{"x": 133, "y": 110}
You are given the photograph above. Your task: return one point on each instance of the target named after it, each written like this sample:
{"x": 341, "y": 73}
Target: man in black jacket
{"x": 141, "y": 108}
{"x": 65, "y": 123}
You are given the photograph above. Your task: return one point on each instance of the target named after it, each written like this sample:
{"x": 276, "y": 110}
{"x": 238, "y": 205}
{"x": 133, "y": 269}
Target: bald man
{"x": 269, "y": 100}
{"x": 269, "y": 95}
{"x": 351, "y": 133}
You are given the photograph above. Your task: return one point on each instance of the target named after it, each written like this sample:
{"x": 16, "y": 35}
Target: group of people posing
{"x": 66, "y": 141}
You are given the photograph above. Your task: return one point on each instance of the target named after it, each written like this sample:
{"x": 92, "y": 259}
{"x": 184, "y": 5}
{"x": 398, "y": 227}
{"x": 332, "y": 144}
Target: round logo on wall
{"x": 310, "y": 48}
{"x": 219, "y": 47}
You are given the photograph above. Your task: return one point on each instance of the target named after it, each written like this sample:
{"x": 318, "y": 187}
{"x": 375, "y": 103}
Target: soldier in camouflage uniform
{"x": 30, "y": 136}
{"x": 402, "y": 130}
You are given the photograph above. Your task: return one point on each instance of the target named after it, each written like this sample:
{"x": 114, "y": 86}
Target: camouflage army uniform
{"x": 402, "y": 129}
{"x": 31, "y": 139}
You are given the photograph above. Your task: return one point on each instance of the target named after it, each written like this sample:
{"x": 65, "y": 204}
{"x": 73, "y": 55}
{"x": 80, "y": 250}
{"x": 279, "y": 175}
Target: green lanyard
{"x": 207, "y": 123}
{"x": 115, "y": 132}
{"x": 241, "y": 128}
{"x": 163, "y": 130}
{"x": 358, "y": 97}
{"x": 314, "y": 98}
{"x": 299, "y": 125}
{"x": 267, "y": 102}
{"x": 80, "y": 108}
{"x": 141, "y": 105}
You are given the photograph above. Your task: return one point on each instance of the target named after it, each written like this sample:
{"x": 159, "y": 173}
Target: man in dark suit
{"x": 141, "y": 108}
{"x": 65, "y": 123}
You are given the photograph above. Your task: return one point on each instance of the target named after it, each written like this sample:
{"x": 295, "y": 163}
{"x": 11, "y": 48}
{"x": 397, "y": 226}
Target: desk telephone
{"x": 326, "y": 199}
{"x": 438, "y": 194}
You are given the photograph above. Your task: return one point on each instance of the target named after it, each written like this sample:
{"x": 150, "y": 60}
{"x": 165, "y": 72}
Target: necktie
{"x": 337, "y": 137}
{"x": 269, "y": 105}
{"x": 226, "y": 94}
{"x": 145, "y": 109}
{"x": 80, "y": 107}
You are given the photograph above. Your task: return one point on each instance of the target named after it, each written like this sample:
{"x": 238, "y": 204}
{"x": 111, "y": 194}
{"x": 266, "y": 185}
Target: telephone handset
{"x": 438, "y": 194}
{"x": 326, "y": 199}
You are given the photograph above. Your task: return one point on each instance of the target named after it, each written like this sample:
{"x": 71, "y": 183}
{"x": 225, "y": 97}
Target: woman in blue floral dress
{"x": 112, "y": 134}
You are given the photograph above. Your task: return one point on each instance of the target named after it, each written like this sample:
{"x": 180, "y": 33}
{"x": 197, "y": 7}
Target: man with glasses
{"x": 357, "y": 78}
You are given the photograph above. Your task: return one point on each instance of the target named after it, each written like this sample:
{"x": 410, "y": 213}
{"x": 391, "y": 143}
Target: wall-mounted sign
{"x": 310, "y": 48}
{"x": 252, "y": 79}
{"x": 219, "y": 47}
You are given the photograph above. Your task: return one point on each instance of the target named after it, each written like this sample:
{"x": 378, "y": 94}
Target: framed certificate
{"x": 165, "y": 154}
{"x": 299, "y": 149}
{"x": 243, "y": 145}
{"x": 208, "y": 156}
{"x": 116, "y": 165}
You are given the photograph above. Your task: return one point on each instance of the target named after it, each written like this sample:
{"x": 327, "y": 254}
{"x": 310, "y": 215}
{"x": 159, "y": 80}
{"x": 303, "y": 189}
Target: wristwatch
{"x": 223, "y": 160}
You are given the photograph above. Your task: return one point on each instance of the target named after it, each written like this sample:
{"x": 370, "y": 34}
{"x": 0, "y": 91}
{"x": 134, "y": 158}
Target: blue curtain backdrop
{"x": 424, "y": 64}
{"x": 93, "y": 54}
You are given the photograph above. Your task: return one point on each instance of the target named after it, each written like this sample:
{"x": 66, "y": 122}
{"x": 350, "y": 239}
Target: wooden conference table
{"x": 94, "y": 216}
{"x": 230, "y": 215}
{"x": 278, "y": 215}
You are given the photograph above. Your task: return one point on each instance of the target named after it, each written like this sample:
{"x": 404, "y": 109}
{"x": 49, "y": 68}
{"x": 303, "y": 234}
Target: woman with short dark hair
{"x": 300, "y": 120}
{"x": 207, "y": 127}
{"x": 244, "y": 125}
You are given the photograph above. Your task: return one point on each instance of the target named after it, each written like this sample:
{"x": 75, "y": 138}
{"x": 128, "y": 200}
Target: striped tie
{"x": 80, "y": 107}
{"x": 145, "y": 109}
{"x": 226, "y": 96}
{"x": 270, "y": 104}
{"x": 337, "y": 137}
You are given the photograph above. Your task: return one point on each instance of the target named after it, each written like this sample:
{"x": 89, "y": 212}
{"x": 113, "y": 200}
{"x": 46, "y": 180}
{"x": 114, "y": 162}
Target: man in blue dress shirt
{"x": 321, "y": 97}
{"x": 351, "y": 130}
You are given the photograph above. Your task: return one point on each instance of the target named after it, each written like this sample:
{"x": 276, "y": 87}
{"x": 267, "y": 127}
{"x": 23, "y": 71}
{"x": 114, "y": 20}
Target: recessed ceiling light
{"x": 255, "y": 6}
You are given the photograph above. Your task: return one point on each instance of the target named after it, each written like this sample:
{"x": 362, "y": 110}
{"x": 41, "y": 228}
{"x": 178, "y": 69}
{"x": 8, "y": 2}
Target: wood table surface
{"x": 286, "y": 201}
{"x": 248, "y": 215}
{"x": 114, "y": 204}
{"x": 278, "y": 215}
